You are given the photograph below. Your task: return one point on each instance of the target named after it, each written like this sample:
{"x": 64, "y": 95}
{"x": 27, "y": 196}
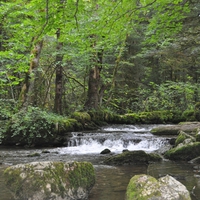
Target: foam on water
{"x": 92, "y": 146}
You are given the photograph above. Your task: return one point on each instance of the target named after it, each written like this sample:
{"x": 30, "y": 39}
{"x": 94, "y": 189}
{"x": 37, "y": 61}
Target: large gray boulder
{"x": 50, "y": 180}
{"x": 184, "y": 152}
{"x": 187, "y": 127}
{"x": 132, "y": 157}
{"x": 145, "y": 187}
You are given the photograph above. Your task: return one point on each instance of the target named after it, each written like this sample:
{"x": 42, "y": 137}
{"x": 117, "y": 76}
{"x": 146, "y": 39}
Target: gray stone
{"x": 50, "y": 180}
{"x": 146, "y": 187}
{"x": 188, "y": 127}
{"x": 132, "y": 157}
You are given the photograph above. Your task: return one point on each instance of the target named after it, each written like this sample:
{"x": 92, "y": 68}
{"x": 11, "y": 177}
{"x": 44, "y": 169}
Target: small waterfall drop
{"x": 116, "y": 138}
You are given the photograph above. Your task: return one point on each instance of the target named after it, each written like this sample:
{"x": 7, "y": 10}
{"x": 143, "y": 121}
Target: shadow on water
{"x": 111, "y": 181}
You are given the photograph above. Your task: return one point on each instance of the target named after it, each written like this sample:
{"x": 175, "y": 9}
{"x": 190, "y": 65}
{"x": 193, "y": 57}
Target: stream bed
{"x": 111, "y": 181}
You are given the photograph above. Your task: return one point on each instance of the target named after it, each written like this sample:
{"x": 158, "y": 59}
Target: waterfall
{"x": 116, "y": 138}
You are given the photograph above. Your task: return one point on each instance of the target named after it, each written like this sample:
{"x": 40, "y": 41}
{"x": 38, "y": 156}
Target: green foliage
{"x": 189, "y": 115}
{"x": 7, "y": 108}
{"x": 197, "y": 111}
{"x": 167, "y": 96}
{"x": 32, "y": 126}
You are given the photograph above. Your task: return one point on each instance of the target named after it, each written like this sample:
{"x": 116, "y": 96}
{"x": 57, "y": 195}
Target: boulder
{"x": 132, "y": 157}
{"x": 105, "y": 151}
{"x": 184, "y": 152}
{"x": 50, "y": 180}
{"x": 184, "y": 138}
{"x": 188, "y": 127}
{"x": 198, "y": 135}
{"x": 145, "y": 187}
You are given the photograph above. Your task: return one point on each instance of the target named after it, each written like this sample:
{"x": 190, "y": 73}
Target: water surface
{"x": 111, "y": 181}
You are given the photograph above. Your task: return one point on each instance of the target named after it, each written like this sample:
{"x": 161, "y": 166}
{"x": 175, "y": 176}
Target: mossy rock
{"x": 132, "y": 157}
{"x": 145, "y": 187}
{"x": 50, "y": 180}
{"x": 96, "y": 115}
{"x": 67, "y": 125}
{"x": 166, "y": 130}
{"x": 81, "y": 116}
{"x": 131, "y": 118}
{"x": 197, "y": 136}
{"x": 155, "y": 117}
{"x": 182, "y": 137}
{"x": 187, "y": 127}
{"x": 185, "y": 152}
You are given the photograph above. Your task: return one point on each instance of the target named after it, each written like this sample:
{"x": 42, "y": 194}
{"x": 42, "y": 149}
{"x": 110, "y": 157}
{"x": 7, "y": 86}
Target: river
{"x": 111, "y": 181}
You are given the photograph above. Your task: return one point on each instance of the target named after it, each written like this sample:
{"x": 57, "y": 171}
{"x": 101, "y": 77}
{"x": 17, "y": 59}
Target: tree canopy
{"x": 125, "y": 56}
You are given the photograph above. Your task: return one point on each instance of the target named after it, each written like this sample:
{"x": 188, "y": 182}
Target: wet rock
{"x": 184, "y": 152}
{"x": 106, "y": 151}
{"x": 195, "y": 160}
{"x": 45, "y": 151}
{"x": 188, "y": 127}
{"x": 50, "y": 180}
{"x": 198, "y": 135}
{"x": 146, "y": 187}
{"x": 125, "y": 150}
{"x": 184, "y": 138}
{"x": 132, "y": 157}
{"x": 172, "y": 141}
{"x": 34, "y": 155}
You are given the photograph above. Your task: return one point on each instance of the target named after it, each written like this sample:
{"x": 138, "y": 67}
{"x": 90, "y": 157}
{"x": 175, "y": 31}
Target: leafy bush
{"x": 32, "y": 126}
{"x": 7, "y": 108}
{"x": 170, "y": 95}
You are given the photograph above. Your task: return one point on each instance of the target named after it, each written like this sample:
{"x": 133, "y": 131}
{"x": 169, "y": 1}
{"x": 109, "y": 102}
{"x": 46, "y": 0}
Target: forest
{"x": 120, "y": 56}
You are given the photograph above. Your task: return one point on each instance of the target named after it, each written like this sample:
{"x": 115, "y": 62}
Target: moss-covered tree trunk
{"x": 27, "y": 96}
{"x": 95, "y": 91}
{"x": 59, "y": 77}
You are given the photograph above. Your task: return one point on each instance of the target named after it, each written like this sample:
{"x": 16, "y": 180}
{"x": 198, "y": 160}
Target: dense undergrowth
{"x": 33, "y": 126}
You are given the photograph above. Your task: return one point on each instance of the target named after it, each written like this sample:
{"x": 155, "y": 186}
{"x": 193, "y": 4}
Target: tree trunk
{"x": 59, "y": 78}
{"x": 93, "y": 89}
{"x": 27, "y": 96}
{"x": 95, "y": 94}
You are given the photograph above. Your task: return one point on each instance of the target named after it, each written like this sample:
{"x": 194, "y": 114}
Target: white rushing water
{"x": 116, "y": 138}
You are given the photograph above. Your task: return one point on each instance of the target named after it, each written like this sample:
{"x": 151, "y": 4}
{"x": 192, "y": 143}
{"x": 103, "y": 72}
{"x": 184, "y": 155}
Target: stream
{"x": 111, "y": 181}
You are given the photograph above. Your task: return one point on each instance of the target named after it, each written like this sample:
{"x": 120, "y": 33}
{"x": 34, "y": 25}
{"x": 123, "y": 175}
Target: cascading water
{"x": 116, "y": 138}
{"x": 111, "y": 181}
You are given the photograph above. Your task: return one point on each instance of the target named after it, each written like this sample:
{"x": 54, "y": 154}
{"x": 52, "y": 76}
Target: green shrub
{"x": 32, "y": 125}
{"x": 7, "y": 108}
{"x": 188, "y": 115}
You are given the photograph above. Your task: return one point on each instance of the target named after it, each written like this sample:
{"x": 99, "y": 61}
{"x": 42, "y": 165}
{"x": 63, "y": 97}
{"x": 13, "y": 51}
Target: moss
{"x": 136, "y": 188}
{"x": 154, "y": 157}
{"x": 186, "y": 152}
{"x": 155, "y": 117}
{"x": 56, "y": 177}
{"x": 131, "y": 157}
{"x": 131, "y": 118}
{"x": 82, "y": 176}
{"x": 19, "y": 186}
{"x": 81, "y": 116}
{"x": 97, "y": 115}
{"x": 13, "y": 180}
{"x": 59, "y": 179}
{"x": 197, "y": 136}
{"x": 181, "y": 137}
{"x": 66, "y": 125}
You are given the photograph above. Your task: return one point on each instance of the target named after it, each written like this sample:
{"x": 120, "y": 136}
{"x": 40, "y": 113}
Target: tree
{"x": 90, "y": 56}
